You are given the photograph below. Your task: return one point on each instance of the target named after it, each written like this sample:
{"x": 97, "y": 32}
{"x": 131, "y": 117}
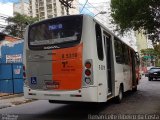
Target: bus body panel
{"x": 67, "y": 68}
{"x": 90, "y": 52}
{"x": 64, "y": 65}
{"x": 86, "y": 95}
{"x": 119, "y": 78}
{"x": 58, "y": 59}
{"x": 127, "y": 77}
{"x": 62, "y": 71}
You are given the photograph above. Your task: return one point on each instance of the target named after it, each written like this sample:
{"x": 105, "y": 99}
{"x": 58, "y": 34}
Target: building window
{"x": 62, "y": 13}
{"x": 37, "y": 15}
{"x": 48, "y": 1}
{"x": 49, "y": 6}
{"x": 37, "y": 11}
{"x": 50, "y": 16}
{"x": 49, "y": 12}
{"x": 126, "y": 54}
{"x": 55, "y": 10}
{"x": 54, "y": 5}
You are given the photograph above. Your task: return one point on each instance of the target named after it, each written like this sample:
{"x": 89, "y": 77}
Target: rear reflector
{"x": 24, "y": 72}
{"x": 24, "y": 68}
{"x": 24, "y": 75}
{"x": 76, "y": 95}
{"x": 88, "y": 80}
{"x": 31, "y": 93}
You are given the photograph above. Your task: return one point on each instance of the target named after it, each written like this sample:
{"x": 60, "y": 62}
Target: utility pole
{"x": 67, "y": 4}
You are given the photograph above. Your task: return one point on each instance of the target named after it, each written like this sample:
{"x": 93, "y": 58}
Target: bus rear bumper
{"x": 86, "y": 95}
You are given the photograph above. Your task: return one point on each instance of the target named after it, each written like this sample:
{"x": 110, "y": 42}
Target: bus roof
{"x": 104, "y": 27}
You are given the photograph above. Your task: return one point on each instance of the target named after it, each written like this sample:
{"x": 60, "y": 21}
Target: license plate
{"x": 52, "y": 84}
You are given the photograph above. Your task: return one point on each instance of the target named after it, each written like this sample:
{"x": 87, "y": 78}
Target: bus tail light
{"x": 88, "y": 64}
{"x": 24, "y": 72}
{"x": 88, "y": 73}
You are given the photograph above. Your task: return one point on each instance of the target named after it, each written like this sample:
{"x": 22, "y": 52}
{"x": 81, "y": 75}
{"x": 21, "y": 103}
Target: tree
{"x": 17, "y": 24}
{"x": 157, "y": 49}
{"x": 137, "y": 15}
{"x": 150, "y": 54}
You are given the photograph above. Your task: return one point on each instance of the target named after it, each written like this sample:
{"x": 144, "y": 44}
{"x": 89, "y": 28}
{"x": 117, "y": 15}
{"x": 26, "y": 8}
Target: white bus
{"x": 76, "y": 59}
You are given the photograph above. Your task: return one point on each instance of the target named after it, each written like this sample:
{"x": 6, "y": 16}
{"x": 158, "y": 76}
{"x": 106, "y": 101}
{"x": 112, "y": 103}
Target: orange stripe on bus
{"x": 67, "y": 67}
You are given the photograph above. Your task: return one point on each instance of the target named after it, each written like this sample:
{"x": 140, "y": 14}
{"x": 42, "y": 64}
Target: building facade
{"x": 21, "y": 7}
{"x": 4, "y": 15}
{"x": 44, "y": 9}
{"x": 141, "y": 41}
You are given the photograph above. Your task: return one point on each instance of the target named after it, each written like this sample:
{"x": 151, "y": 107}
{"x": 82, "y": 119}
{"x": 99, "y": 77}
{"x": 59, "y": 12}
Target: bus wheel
{"x": 134, "y": 89}
{"x": 119, "y": 98}
{"x": 50, "y": 101}
{"x": 150, "y": 79}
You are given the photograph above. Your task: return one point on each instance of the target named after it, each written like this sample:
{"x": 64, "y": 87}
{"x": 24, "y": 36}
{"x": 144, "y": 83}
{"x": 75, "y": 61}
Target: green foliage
{"x": 137, "y": 15}
{"x": 157, "y": 49}
{"x": 17, "y": 24}
{"x": 150, "y": 53}
{"x": 157, "y": 64}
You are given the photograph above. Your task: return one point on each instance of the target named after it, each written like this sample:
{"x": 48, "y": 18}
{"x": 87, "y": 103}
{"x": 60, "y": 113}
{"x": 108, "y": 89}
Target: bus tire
{"x": 50, "y": 101}
{"x": 150, "y": 79}
{"x": 119, "y": 98}
{"x": 134, "y": 89}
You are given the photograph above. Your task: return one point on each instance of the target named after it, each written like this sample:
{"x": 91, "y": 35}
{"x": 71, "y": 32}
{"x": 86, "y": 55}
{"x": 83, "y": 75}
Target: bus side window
{"x": 118, "y": 51}
{"x": 99, "y": 42}
{"x": 126, "y": 54}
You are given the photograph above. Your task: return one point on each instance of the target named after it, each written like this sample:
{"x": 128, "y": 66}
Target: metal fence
{"x": 11, "y": 78}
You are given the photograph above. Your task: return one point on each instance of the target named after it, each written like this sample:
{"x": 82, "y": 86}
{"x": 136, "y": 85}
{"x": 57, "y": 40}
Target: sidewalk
{"x": 9, "y": 100}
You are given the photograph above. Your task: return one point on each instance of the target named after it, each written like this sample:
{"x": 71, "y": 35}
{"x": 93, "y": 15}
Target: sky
{"x": 85, "y": 11}
{"x": 6, "y": 7}
{"x": 6, "y": 1}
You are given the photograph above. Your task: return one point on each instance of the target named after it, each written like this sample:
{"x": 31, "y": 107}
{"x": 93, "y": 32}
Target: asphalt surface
{"x": 145, "y": 103}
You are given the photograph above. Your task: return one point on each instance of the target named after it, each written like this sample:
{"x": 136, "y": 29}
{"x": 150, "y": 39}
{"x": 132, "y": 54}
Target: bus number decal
{"x": 69, "y": 55}
{"x": 101, "y": 67}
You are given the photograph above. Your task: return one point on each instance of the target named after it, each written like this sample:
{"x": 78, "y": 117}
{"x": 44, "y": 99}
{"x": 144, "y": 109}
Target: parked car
{"x": 154, "y": 72}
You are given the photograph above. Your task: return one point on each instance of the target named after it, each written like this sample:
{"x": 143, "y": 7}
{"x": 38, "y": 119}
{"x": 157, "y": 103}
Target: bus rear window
{"x": 56, "y": 31}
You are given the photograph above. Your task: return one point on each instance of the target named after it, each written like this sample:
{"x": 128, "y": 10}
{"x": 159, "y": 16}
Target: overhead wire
{"x": 83, "y": 6}
{"x": 92, "y": 12}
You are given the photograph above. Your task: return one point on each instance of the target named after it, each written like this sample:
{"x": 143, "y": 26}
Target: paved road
{"x": 145, "y": 101}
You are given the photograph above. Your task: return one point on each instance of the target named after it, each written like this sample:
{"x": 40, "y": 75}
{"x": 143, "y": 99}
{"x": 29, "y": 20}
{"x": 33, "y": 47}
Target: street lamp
{"x": 102, "y": 12}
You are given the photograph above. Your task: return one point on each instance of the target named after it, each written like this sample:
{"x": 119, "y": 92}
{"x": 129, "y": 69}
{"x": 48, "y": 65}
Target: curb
{"x": 11, "y": 96}
{"x": 5, "y": 106}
